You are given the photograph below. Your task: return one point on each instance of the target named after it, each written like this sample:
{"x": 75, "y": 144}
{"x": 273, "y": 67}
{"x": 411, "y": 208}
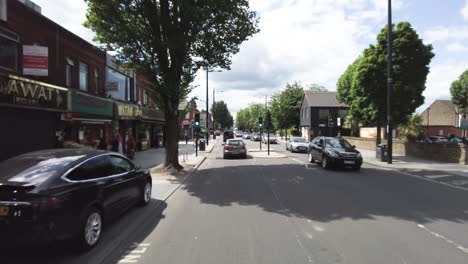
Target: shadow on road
{"x": 327, "y": 195}
{"x": 118, "y": 237}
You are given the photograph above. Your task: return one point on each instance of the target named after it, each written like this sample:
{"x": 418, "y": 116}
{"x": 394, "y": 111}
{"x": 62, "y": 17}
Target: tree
{"x": 221, "y": 115}
{"x": 247, "y": 118}
{"x": 285, "y": 106}
{"x": 167, "y": 41}
{"x": 367, "y": 94}
{"x": 316, "y": 87}
{"x": 412, "y": 129}
{"x": 459, "y": 91}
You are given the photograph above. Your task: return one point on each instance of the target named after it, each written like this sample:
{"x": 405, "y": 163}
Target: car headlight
{"x": 332, "y": 153}
{"x": 359, "y": 155}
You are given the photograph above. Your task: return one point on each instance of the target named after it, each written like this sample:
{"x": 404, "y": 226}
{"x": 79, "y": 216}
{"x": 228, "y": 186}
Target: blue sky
{"x": 313, "y": 41}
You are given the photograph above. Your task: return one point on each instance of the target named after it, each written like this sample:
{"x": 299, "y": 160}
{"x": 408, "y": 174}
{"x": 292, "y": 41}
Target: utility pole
{"x": 213, "y": 125}
{"x": 389, "y": 86}
{"x": 207, "y": 110}
{"x": 466, "y": 104}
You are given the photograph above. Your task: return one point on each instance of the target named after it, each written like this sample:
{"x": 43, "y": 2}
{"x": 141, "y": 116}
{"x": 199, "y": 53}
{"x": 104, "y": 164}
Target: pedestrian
{"x": 131, "y": 142}
{"x": 117, "y": 143}
{"x": 453, "y": 140}
{"x": 102, "y": 144}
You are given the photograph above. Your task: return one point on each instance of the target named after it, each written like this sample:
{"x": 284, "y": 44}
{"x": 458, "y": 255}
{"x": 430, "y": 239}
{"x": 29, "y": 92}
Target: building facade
{"x": 56, "y": 87}
{"x": 442, "y": 117}
{"x": 322, "y": 115}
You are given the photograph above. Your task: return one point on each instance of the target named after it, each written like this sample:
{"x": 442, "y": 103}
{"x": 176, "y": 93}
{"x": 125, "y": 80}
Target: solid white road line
{"x": 437, "y": 176}
{"x": 447, "y": 240}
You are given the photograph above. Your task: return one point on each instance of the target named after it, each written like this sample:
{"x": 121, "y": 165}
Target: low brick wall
{"x": 429, "y": 151}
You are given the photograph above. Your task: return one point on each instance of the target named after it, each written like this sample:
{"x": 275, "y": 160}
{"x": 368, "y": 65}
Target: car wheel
{"x": 145, "y": 196}
{"x": 325, "y": 162}
{"x": 311, "y": 159}
{"x": 91, "y": 228}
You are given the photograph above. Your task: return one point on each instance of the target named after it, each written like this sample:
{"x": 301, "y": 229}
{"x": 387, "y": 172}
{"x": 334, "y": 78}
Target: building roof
{"x": 322, "y": 99}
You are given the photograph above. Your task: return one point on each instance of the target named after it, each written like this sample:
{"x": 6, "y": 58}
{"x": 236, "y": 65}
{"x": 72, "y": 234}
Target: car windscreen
{"x": 236, "y": 143}
{"x": 337, "y": 143}
{"x": 228, "y": 133}
{"x": 299, "y": 140}
{"x": 33, "y": 170}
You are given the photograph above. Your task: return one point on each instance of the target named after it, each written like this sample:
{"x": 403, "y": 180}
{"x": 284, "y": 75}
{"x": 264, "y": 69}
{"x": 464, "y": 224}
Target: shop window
{"x": 96, "y": 81}
{"x": 8, "y": 50}
{"x": 83, "y": 76}
{"x": 69, "y": 72}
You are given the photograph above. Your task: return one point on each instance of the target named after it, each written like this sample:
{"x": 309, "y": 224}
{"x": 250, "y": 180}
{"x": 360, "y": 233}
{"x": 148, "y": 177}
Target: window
{"x": 83, "y": 76}
{"x": 323, "y": 116}
{"x": 69, "y": 72}
{"x": 3, "y": 10}
{"x": 8, "y": 50}
{"x": 123, "y": 85}
{"x": 96, "y": 81}
{"x": 120, "y": 165}
{"x": 92, "y": 169}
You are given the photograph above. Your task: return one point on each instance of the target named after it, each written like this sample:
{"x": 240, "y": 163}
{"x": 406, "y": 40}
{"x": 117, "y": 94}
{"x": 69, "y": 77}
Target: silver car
{"x": 297, "y": 144}
{"x": 272, "y": 138}
{"x": 235, "y": 148}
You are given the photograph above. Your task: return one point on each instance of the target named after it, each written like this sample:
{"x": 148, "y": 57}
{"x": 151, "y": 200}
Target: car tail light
{"x": 242, "y": 147}
{"x": 46, "y": 202}
{"x": 226, "y": 147}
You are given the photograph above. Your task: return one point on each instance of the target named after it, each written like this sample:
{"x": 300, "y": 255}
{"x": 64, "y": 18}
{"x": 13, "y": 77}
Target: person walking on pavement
{"x": 117, "y": 143}
{"x": 453, "y": 140}
{"x": 131, "y": 142}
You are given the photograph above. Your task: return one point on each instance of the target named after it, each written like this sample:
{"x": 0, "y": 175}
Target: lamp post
{"x": 214, "y": 102}
{"x": 207, "y": 109}
{"x": 389, "y": 86}
{"x": 466, "y": 104}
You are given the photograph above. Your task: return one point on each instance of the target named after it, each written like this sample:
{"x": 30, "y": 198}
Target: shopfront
{"x": 126, "y": 116}
{"x": 30, "y": 115}
{"x": 150, "y": 129}
{"x": 89, "y": 119}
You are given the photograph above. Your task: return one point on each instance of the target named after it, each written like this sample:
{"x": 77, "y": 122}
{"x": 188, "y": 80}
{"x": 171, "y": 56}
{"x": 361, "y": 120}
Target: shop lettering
{"x": 28, "y": 90}
{"x": 125, "y": 110}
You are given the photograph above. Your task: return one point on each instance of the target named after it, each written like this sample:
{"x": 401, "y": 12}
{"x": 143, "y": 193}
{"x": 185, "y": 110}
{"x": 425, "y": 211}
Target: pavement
{"x": 283, "y": 210}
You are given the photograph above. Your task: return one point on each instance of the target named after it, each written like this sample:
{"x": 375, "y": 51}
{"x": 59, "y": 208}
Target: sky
{"x": 313, "y": 41}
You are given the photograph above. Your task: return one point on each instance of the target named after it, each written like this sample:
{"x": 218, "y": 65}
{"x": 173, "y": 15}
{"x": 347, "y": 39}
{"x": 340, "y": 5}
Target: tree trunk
{"x": 378, "y": 140}
{"x": 172, "y": 144}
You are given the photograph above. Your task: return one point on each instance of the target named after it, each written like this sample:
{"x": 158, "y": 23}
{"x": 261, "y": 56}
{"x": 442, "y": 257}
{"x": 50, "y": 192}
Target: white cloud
{"x": 446, "y": 33}
{"x": 457, "y": 47}
{"x": 68, "y": 14}
{"x": 464, "y": 11}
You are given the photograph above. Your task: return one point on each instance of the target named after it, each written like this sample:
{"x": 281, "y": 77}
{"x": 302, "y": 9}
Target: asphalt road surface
{"x": 285, "y": 210}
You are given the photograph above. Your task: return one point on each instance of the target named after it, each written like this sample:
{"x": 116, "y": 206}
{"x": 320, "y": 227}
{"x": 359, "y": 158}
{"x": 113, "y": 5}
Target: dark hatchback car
{"x": 228, "y": 134}
{"x": 67, "y": 194}
{"x": 334, "y": 152}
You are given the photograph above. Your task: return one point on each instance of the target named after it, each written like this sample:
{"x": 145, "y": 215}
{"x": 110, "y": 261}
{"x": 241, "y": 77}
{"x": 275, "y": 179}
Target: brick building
{"x": 442, "y": 117}
{"x": 55, "y": 85}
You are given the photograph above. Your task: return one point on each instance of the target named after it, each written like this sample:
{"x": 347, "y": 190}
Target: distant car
{"x": 67, "y": 194}
{"x": 235, "y": 148}
{"x": 238, "y": 133}
{"x": 272, "y": 138}
{"x": 297, "y": 144}
{"x": 228, "y": 134}
{"x": 438, "y": 139}
{"x": 334, "y": 152}
{"x": 246, "y": 135}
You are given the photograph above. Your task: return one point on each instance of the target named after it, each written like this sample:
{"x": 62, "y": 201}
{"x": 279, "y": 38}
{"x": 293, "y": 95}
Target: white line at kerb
{"x": 449, "y": 241}
{"x": 298, "y": 161}
{"x": 437, "y": 176}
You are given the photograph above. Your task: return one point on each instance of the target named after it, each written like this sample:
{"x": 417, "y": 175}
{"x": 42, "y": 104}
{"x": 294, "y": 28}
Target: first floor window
{"x": 8, "y": 53}
{"x": 83, "y": 76}
{"x": 96, "y": 81}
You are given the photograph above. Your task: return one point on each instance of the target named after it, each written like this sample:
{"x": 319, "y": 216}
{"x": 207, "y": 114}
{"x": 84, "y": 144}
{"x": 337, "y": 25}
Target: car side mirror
{"x": 353, "y": 146}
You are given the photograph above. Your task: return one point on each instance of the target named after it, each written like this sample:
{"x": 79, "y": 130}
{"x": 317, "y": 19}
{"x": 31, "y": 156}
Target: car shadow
{"x": 313, "y": 193}
{"x": 118, "y": 237}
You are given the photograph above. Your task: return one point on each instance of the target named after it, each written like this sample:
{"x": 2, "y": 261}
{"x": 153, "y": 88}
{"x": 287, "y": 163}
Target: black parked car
{"x": 228, "y": 134}
{"x": 332, "y": 151}
{"x": 67, "y": 193}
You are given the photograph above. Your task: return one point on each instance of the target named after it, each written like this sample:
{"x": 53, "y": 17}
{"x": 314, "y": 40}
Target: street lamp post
{"x": 389, "y": 86}
{"x": 207, "y": 109}
{"x": 466, "y": 104}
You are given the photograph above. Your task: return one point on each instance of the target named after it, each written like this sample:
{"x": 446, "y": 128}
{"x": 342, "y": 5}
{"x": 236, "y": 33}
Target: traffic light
{"x": 197, "y": 119}
{"x": 260, "y": 122}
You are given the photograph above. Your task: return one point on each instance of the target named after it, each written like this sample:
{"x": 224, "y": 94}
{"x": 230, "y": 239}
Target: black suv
{"x": 334, "y": 151}
{"x": 228, "y": 134}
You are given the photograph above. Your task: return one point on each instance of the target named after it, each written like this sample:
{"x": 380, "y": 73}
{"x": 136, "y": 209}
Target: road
{"x": 284, "y": 210}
